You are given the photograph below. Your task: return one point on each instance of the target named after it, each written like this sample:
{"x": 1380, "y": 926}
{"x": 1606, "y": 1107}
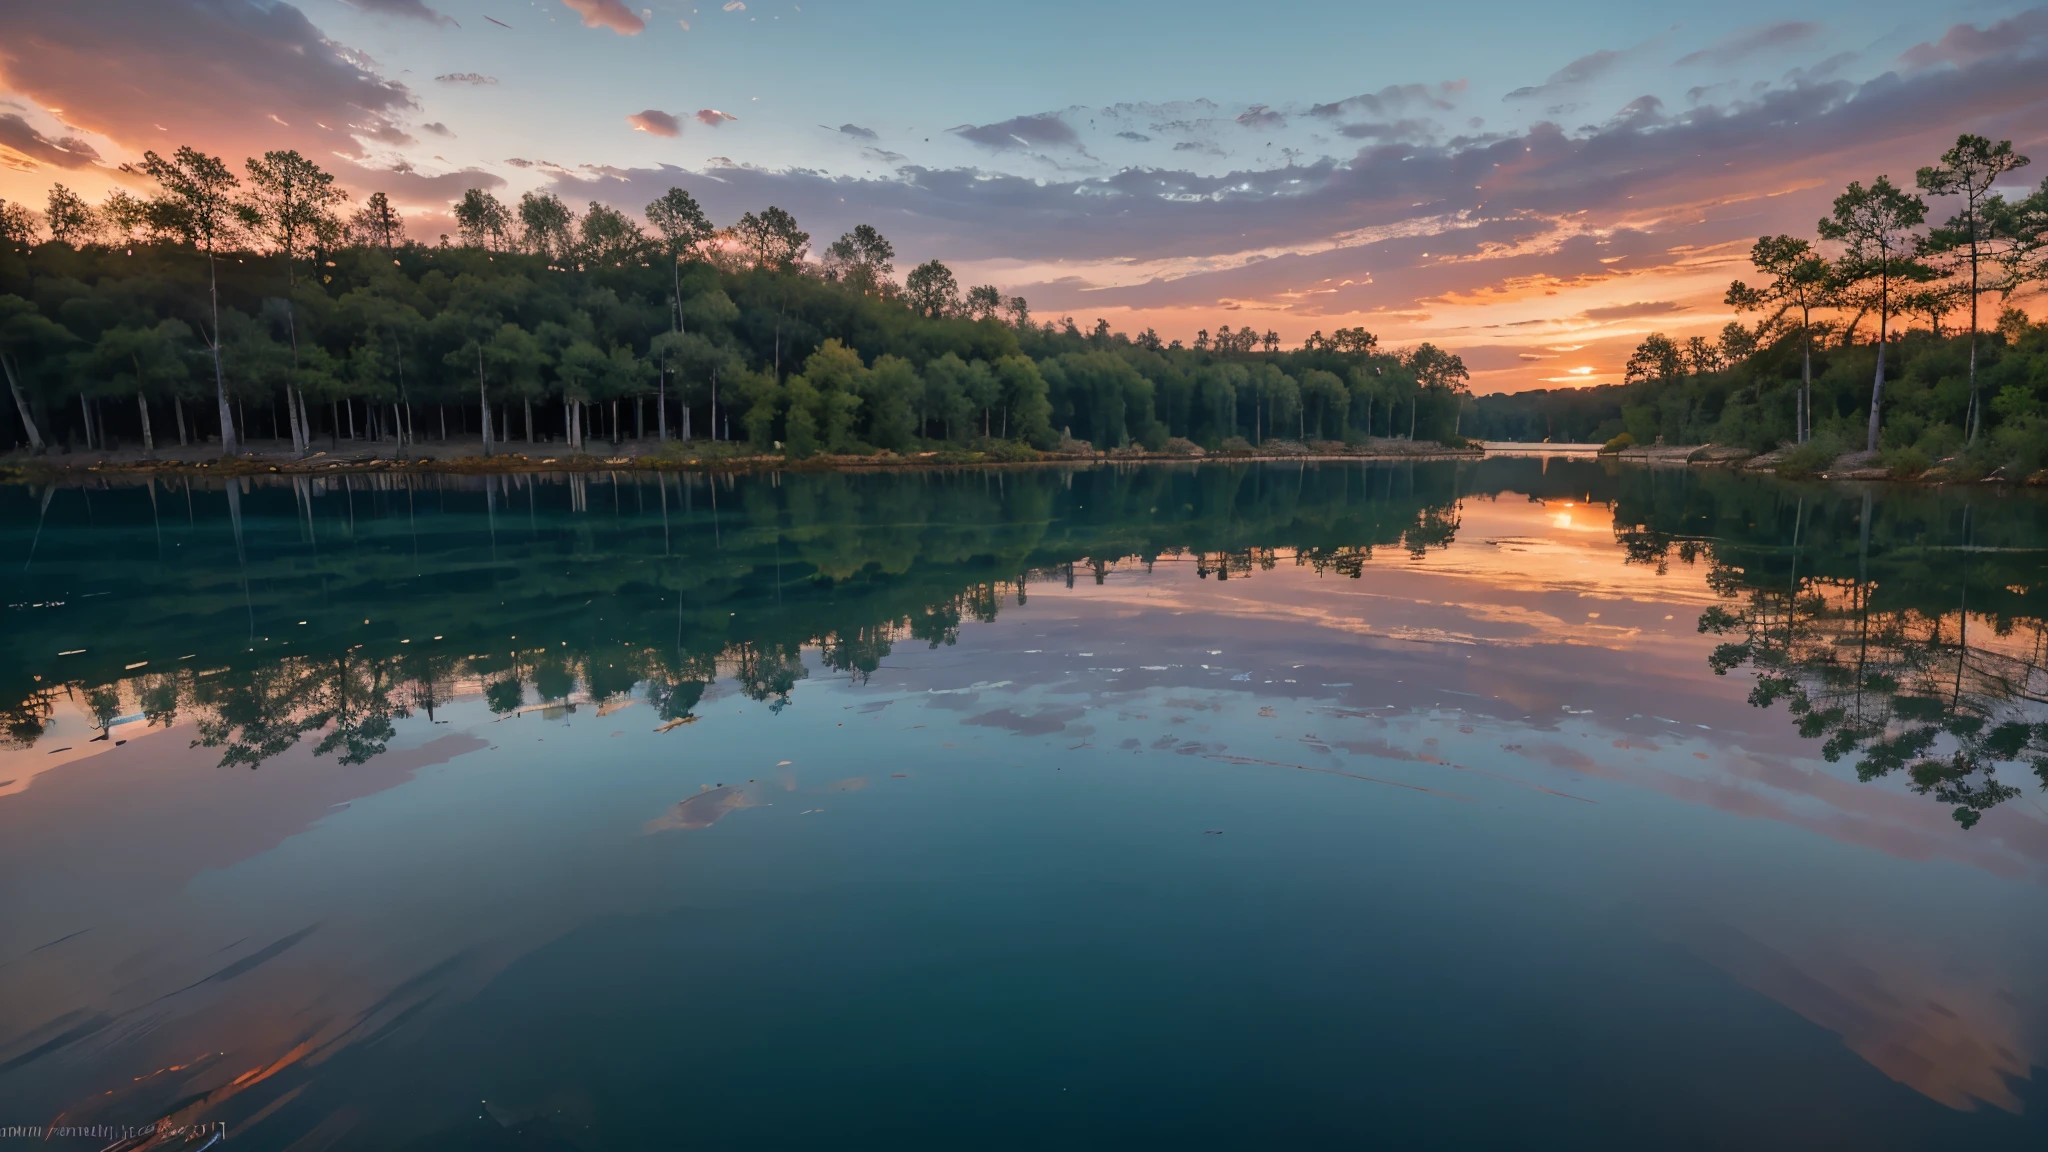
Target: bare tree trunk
{"x": 528, "y": 402}
{"x": 230, "y": 444}
{"x": 483, "y": 399}
{"x": 661, "y": 408}
{"x": 28, "y": 422}
{"x": 351, "y": 406}
{"x": 178, "y": 406}
{"x": 148, "y": 441}
{"x": 1877, "y": 384}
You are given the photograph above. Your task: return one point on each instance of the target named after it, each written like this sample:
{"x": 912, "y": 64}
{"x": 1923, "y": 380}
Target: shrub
{"x": 1618, "y": 443}
{"x": 1814, "y": 456}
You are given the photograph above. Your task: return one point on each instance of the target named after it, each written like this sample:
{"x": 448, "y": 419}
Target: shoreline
{"x": 468, "y": 459}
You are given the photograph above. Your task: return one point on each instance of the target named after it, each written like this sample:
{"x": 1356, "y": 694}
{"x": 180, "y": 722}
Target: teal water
{"x": 1505, "y": 803}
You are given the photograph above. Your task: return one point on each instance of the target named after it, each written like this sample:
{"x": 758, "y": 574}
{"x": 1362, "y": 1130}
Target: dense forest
{"x": 229, "y": 307}
{"x": 1869, "y": 336}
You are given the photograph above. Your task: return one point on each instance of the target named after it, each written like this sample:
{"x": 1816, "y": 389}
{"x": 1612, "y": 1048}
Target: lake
{"x": 1523, "y": 802}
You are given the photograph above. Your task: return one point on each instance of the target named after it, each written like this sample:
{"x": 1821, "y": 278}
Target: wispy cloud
{"x": 476, "y": 78}
{"x": 1742, "y": 45}
{"x": 712, "y": 117}
{"x": 404, "y": 9}
{"x": 1589, "y": 67}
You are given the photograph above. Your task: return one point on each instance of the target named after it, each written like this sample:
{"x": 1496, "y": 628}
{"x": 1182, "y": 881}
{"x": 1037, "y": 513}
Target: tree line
{"x": 226, "y": 305}
{"x": 1871, "y": 334}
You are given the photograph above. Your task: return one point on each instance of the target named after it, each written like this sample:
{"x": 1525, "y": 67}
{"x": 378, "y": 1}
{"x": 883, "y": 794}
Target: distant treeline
{"x": 229, "y": 306}
{"x": 1870, "y": 336}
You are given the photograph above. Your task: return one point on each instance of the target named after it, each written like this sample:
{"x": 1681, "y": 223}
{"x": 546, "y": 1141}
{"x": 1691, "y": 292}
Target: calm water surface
{"x": 1516, "y": 803}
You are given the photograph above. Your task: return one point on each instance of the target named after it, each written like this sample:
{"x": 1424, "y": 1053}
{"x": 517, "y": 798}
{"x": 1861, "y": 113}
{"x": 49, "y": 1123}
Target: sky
{"x": 1535, "y": 187}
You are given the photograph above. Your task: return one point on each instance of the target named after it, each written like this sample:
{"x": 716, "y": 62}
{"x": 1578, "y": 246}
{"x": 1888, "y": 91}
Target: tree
{"x": 122, "y": 215}
{"x": 482, "y": 221}
{"x": 1703, "y": 355}
{"x": 772, "y": 239}
{"x": 932, "y": 289}
{"x": 1800, "y": 280}
{"x": 197, "y": 200}
{"x": 290, "y": 203}
{"x": 1967, "y": 170}
{"x": 985, "y": 300}
{"x": 22, "y": 325}
{"x": 70, "y": 218}
{"x": 1437, "y": 371}
{"x": 17, "y": 224}
{"x": 546, "y": 226}
{"x": 1874, "y": 225}
{"x": 377, "y": 224}
{"x": 684, "y": 228}
{"x": 606, "y": 236}
{"x": 862, "y": 259}
{"x": 2023, "y": 226}
{"x": 1657, "y": 359}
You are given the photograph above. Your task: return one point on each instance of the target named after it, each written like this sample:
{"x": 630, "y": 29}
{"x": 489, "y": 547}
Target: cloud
{"x": 1397, "y": 130}
{"x": 1134, "y": 137}
{"x": 1636, "y": 311}
{"x": 437, "y": 128}
{"x": 1260, "y": 116}
{"x": 1966, "y": 44}
{"x": 476, "y": 78}
{"x": 1591, "y": 66}
{"x": 855, "y": 131}
{"x": 1045, "y": 130}
{"x": 712, "y": 117}
{"x": 735, "y": 5}
{"x": 1393, "y": 98}
{"x": 225, "y": 75}
{"x": 1733, "y": 49}
{"x": 1617, "y": 216}
{"x": 607, "y": 14}
{"x": 406, "y": 9}
{"x": 19, "y": 136}
{"x": 655, "y": 122}
{"x": 406, "y": 185}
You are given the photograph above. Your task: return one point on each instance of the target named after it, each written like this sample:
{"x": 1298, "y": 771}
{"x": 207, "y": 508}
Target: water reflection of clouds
{"x": 1473, "y": 668}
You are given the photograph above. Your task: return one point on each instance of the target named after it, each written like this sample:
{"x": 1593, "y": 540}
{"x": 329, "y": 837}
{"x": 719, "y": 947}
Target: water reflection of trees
{"x": 329, "y": 610}
{"x": 1906, "y": 632}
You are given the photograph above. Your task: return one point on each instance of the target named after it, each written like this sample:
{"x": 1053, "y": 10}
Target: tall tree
{"x": 197, "y": 201}
{"x": 22, "y": 325}
{"x": 291, "y": 203}
{"x": 932, "y": 289}
{"x": 17, "y": 224}
{"x": 862, "y": 259}
{"x": 1800, "y": 280}
{"x": 377, "y": 224}
{"x": 482, "y": 220}
{"x": 546, "y": 225}
{"x": 122, "y": 215}
{"x": 606, "y": 236}
{"x": 985, "y": 300}
{"x": 772, "y": 239}
{"x": 70, "y": 218}
{"x": 1875, "y": 226}
{"x": 1967, "y": 170}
